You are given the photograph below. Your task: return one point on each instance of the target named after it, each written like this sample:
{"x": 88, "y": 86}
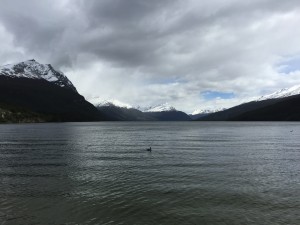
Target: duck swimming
{"x": 149, "y": 149}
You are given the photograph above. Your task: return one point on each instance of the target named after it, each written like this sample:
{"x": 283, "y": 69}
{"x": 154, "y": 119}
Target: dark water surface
{"x": 197, "y": 173}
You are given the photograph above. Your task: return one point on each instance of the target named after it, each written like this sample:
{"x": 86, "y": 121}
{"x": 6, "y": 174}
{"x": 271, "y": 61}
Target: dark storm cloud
{"x": 125, "y": 32}
{"x": 129, "y": 32}
{"x": 211, "y": 45}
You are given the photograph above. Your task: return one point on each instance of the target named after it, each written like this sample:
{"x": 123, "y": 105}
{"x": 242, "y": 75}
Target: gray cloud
{"x": 148, "y": 52}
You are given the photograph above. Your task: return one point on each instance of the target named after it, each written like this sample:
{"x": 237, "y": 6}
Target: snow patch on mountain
{"x": 285, "y": 92}
{"x": 33, "y": 70}
{"x": 98, "y": 102}
{"x": 206, "y": 111}
{"x": 159, "y": 108}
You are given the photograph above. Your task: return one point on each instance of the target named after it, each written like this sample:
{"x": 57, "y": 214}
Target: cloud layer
{"x": 149, "y": 52}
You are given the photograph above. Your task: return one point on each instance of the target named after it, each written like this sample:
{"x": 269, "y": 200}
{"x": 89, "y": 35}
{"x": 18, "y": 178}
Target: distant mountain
{"x": 206, "y": 111}
{"x": 203, "y": 112}
{"x": 236, "y": 111}
{"x": 41, "y": 93}
{"x": 98, "y": 102}
{"x": 165, "y": 107}
{"x": 281, "y": 109}
{"x": 116, "y": 110}
{"x": 116, "y": 113}
{"x": 282, "y": 105}
{"x": 169, "y": 116}
{"x": 165, "y": 112}
{"x": 286, "y": 92}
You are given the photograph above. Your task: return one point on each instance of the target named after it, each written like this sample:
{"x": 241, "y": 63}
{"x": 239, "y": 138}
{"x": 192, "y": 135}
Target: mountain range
{"x": 117, "y": 110}
{"x": 278, "y": 106}
{"x": 34, "y": 92}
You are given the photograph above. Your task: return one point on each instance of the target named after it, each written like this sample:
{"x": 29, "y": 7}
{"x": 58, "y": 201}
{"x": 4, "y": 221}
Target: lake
{"x": 197, "y": 173}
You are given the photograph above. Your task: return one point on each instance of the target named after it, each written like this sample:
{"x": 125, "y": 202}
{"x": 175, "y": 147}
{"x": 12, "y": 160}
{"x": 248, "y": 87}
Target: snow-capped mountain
{"x": 206, "y": 111}
{"x": 34, "y": 70}
{"x": 166, "y": 107}
{"x": 286, "y": 92}
{"x": 98, "y": 102}
{"x": 34, "y": 92}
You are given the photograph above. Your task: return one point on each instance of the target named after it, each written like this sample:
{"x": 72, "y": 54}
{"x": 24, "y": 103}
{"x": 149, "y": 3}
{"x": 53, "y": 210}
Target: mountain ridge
{"x": 98, "y": 102}
{"x": 164, "y": 107}
{"x": 34, "y": 70}
{"x": 117, "y": 110}
{"x": 282, "y": 93}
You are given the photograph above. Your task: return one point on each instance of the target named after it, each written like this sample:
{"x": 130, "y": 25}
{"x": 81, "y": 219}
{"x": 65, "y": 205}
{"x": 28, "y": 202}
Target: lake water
{"x": 197, "y": 173}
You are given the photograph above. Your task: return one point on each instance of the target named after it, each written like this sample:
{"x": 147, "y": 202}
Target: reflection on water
{"x": 197, "y": 173}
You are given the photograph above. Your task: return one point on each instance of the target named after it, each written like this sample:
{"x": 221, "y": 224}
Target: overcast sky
{"x": 190, "y": 53}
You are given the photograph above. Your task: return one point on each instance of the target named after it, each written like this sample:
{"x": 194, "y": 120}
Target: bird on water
{"x": 149, "y": 149}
